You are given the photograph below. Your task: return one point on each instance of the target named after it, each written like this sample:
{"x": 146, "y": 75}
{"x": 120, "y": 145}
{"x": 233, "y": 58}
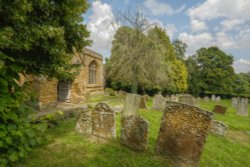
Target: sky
{"x": 198, "y": 23}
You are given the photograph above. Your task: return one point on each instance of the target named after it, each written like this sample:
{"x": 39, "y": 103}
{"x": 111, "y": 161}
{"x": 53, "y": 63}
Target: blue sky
{"x": 198, "y": 23}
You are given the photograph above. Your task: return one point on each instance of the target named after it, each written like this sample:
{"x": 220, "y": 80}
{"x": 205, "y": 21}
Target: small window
{"x": 92, "y": 73}
{"x": 64, "y": 91}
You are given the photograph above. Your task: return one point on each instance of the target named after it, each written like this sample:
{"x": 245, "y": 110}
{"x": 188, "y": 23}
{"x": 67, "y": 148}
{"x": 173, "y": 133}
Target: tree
{"x": 180, "y": 48}
{"x": 39, "y": 38}
{"x": 211, "y": 71}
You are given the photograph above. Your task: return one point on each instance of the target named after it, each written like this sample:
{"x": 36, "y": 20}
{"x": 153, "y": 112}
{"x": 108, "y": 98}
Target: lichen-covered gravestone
{"x": 159, "y": 102}
{"x": 134, "y": 132}
{"x": 186, "y": 99}
{"x": 103, "y": 121}
{"x": 183, "y": 133}
{"x": 242, "y": 107}
{"x": 234, "y": 101}
{"x": 218, "y": 99}
{"x": 220, "y": 109}
{"x": 84, "y": 121}
{"x": 132, "y": 104}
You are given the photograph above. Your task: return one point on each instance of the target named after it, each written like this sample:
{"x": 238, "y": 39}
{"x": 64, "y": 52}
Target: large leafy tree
{"x": 180, "y": 48}
{"x": 211, "y": 71}
{"x": 36, "y": 37}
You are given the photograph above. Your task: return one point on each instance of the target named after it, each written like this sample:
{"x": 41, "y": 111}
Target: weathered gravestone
{"x": 186, "y": 99}
{"x": 183, "y": 133}
{"x": 213, "y": 97}
{"x": 143, "y": 102}
{"x": 235, "y": 101}
{"x": 206, "y": 99}
{"x": 103, "y": 121}
{"x": 159, "y": 102}
{"x": 134, "y": 132}
{"x": 218, "y": 99}
{"x": 220, "y": 109}
{"x": 242, "y": 107}
{"x": 84, "y": 121}
{"x": 132, "y": 104}
{"x": 218, "y": 127}
{"x": 174, "y": 98}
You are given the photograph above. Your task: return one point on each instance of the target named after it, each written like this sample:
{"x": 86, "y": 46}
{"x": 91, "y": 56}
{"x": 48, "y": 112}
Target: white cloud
{"x": 212, "y": 9}
{"x": 197, "y": 41}
{"x": 197, "y": 25}
{"x": 242, "y": 65}
{"x": 101, "y": 27}
{"x": 243, "y": 39}
{"x": 159, "y": 8}
{"x": 231, "y": 24}
{"x": 225, "y": 41}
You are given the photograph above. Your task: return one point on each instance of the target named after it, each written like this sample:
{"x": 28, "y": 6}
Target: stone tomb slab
{"x": 84, "y": 121}
{"x": 220, "y": 109}
{"x": 103, "y": 121}
{"x": 134, "y": 132}
{"x": 183, "y": 132}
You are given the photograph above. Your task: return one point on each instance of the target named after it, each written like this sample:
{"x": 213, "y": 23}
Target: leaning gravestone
{"x": 159, "y": 102}
{"x": 220, "y": 109}
{"x": 242, "y": 107}
{"x": 218, "y": 127}
{"x": 103, "y": 121}
{"x": 213, "y": 97}
{"x": 134, "y": 132}
{"x": 218, "y": 99}
{"x": 132, "y": 104}
{"x": 84, "y": 121}
{"x": 183, "y": 133}
{"x": 186, "y": 99}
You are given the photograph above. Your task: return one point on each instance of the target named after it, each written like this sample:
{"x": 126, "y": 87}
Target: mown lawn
{"x": 65, "y": 148}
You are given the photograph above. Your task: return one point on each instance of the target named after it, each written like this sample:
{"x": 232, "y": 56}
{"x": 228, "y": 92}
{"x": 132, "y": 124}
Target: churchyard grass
{"x": 66, "y": 148}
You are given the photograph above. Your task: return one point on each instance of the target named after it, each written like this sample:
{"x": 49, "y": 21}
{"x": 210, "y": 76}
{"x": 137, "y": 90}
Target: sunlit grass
{"x": 69, "y": 149}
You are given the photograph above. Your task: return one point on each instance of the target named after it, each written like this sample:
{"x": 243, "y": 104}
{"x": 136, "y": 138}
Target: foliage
{"x": 180, "y": 48}
{"x": 241, "y": 84}
{"x": 210, "y": 70}
{"x": 39, "y": 38}
{"x": 150, "y": 62}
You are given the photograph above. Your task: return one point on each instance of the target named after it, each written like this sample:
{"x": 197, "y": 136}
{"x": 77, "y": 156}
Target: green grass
{"x": 69, "y": 149}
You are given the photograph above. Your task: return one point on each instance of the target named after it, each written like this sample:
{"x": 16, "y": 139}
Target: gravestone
{"x": 213, "y": 97}
{"x": 218, "y": 99}
{"x": 103, "y": 121}
{"x": 218, "y": 127}
{"x": 234, "y": 101}
{"x": 84, "y": 121}
{"x": 220, "y": 109}
{"x": 186, "y": 99}
{"x": 132, "y": 104}
{"x": 174, "y": 98}
{"x": 206, "y": 99}
{"x": 159, "y": 102}
{"x": 183, "y": 133}
{"x": 143, "y": 103}
{"x": 242, "y": 107}
{"x": 134, "y": 132}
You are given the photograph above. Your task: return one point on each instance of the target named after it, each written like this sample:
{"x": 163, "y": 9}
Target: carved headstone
{"x": 234, "y": 101}
{"x": 103, "y": 121}
{"x": 183, "y": 133}
{"x": 134, "y": 132}
{"x": 159, "y": 102}
{"x": 220, "y": 109}
{"x": 84, "y": 121}
{"x": 218, "y": 127}
{"x": 242, "y": 107}
{"x": 186, "y": 99}
{"x": 218, "y": 99}
{"x": 213, "y": 97}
